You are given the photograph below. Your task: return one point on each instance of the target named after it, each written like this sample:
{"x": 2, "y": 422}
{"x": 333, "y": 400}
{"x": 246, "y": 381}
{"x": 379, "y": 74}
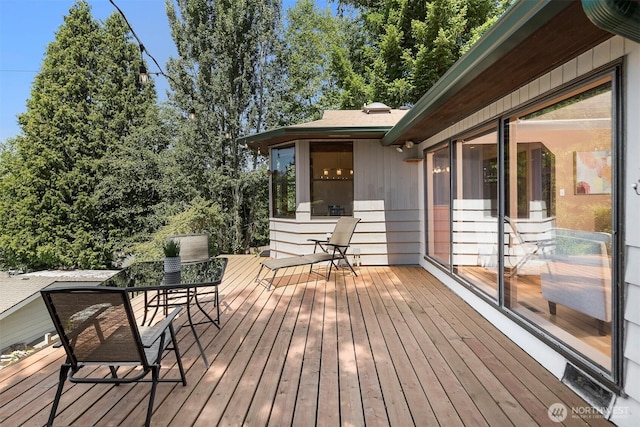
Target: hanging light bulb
{"x": 143, "y": 76}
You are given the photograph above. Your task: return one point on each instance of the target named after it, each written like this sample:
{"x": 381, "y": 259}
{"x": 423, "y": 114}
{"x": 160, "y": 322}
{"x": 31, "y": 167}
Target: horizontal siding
{"x": 383, "y": 237}
{"x": 25, "y": 325}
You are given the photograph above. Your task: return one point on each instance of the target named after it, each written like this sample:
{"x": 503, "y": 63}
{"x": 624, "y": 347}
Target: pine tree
{"x": 414, "y": 43}
{"x": 84, "y": 102}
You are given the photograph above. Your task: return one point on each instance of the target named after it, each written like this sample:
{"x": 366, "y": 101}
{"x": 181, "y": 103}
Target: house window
{"x": 475, "y": 210}
{"x": 331, "y": 166}
{"x": 438, "y": 174}
{"x": 283, "y": 182}
{"x": 532, "y": 222}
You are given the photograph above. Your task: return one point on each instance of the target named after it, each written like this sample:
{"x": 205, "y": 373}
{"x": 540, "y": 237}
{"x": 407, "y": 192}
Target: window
{"x": 439, "y": 205}
{"x": 331, "y": 178}
{"x": 559, "y": 254}
{"x": 531, "y": 225}
{"x": 283, "y": 182}
{"x": 475, "y": 215}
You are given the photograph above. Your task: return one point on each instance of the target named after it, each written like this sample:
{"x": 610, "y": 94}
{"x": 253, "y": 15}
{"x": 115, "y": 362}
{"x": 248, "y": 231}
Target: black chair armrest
{"x": 319, "y": 243}
{"x": 160, "y": 328}
{"x": 337, "y": 246}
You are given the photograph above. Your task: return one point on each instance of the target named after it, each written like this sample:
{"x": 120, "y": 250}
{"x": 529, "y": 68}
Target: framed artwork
{"x": 592, "y": 172}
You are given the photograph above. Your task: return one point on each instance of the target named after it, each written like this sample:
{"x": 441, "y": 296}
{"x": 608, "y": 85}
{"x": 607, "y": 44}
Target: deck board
{"x": 391, "y": 346}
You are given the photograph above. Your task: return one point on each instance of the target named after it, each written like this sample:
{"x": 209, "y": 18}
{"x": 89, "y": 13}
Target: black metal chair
{"x": 97, "y": 326}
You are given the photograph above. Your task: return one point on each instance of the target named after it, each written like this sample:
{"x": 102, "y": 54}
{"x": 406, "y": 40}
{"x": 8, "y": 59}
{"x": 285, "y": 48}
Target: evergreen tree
{"x": 224, "y": 49}
{"x": 84, "y": 102}
{"x": 128, "y": 126}
{"x": 307, "y": 86}
{"x": 414, "y": 43}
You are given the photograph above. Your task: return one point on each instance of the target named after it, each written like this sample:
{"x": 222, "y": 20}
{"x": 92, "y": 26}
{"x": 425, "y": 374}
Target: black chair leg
{"x": 155, "y": 376}
{"x": 177, "y": 351}
{"x": 64, "y": 372}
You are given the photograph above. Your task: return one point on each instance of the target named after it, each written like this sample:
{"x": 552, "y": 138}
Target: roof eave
{"x": 519, "y": 22}
{"x": 283, "y": 135}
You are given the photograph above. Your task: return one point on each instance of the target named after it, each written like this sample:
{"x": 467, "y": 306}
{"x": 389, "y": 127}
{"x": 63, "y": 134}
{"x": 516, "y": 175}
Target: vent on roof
{"x": 376, "y": 107}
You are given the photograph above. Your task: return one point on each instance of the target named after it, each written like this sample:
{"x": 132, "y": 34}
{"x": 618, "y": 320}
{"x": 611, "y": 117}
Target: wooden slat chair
{"x": 333, "y": 251}
{"x": 97, "y": 326}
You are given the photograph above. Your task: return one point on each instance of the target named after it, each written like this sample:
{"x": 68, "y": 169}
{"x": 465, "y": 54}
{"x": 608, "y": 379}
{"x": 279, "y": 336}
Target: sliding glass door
{"x": 525, "y": 217}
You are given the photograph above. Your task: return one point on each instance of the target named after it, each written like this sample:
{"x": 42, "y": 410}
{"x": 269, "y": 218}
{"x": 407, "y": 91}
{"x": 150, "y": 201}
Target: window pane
{"x": 438, "y": 205}
{"x": 283, "y": 181}
{"x": 558, "y": 255}
{"x": 475, "y": 212}
{"x": 331, "y": 178}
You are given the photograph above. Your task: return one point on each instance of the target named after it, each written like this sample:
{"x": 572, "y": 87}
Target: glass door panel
{"x": 558, "y": 221}
{"x": 475, "y": 212}
{"x": 439, "y": 205}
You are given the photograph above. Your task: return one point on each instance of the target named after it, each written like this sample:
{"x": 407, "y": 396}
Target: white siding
{"x": 628, "y": 409}
{"x": 385, "y": 199}
{"x": 26, "y": 325}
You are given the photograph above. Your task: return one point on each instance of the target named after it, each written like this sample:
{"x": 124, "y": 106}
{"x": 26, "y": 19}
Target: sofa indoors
{"x": 578, "y": 274}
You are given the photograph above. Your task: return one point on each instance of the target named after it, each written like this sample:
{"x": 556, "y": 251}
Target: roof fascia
{"x": 290, "y": 133}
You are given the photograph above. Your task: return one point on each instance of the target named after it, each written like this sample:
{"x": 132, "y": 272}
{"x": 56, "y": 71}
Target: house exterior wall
{"x": 626, "y": 409}
{"x": 29, "y": 321}
{"x": 26, "y": 325}
{"x": 385, "y": 199}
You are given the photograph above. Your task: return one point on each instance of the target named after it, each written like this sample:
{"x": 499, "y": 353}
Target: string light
{"x": 144, "y": 75}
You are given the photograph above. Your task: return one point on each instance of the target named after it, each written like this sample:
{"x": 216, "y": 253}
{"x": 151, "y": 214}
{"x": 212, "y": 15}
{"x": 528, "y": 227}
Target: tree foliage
{"x": 413, "y": 43}
{"x": 99, "y": 167}
{"x": 305, "y": 86}
{"x": 221, "y": 74}
{"x": 60, "y": 176}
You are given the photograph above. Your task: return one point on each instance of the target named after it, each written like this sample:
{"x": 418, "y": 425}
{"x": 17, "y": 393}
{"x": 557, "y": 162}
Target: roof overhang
{"x": 531, "y": 39}
{"x": 264, "y": 140}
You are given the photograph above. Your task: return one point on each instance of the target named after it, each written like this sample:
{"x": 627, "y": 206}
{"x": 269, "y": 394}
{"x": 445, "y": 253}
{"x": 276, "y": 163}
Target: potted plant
{"x": 171, "y": 250}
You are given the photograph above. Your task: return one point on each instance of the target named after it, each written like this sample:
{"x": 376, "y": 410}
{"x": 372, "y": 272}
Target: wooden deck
{"x": 390, "y": 347}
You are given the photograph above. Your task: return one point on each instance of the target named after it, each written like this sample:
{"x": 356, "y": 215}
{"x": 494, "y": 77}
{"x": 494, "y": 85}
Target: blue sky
{"x": 28, "y": 26}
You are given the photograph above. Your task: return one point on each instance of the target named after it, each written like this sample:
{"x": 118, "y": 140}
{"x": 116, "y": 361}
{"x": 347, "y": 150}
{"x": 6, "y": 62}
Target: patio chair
{"x": 333, "y": 251}
{"x": 97, "y": 327}
{"x": 193, "y": 247}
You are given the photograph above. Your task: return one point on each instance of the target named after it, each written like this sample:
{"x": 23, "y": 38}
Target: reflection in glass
{"x": 475, "y": 212}
{"x": 283, "y": 182}
{"x": 558, "y": 225}
{"x": 438, "y": 205}
{"x": 331, "y": 168}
